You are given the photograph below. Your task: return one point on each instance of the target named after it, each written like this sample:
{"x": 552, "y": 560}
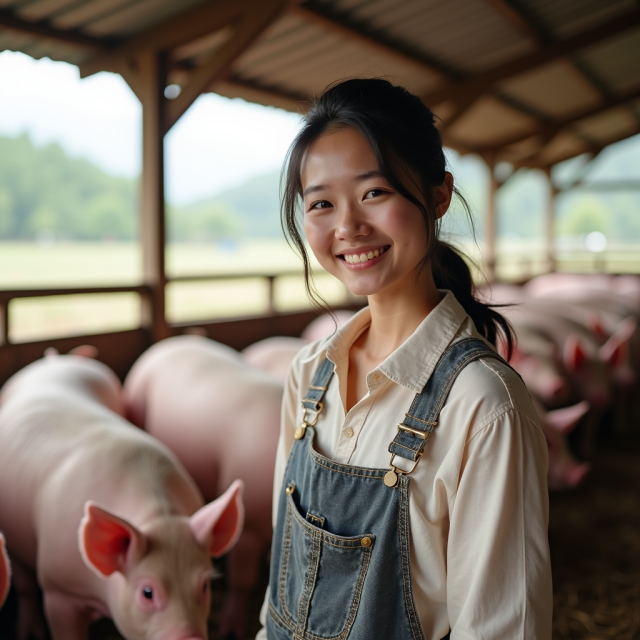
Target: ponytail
{"x": 450, "y": 271}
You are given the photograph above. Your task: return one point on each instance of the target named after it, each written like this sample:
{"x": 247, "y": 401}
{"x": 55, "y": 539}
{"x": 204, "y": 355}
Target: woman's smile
{"x": 363, "y": 258}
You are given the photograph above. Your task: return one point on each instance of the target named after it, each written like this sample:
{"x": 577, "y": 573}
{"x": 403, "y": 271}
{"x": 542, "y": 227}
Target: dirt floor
{"x": 594, "y": 535}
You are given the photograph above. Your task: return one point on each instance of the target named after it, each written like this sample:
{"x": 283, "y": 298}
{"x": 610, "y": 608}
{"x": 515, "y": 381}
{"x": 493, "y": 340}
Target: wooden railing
{"x": 144, "y": 291}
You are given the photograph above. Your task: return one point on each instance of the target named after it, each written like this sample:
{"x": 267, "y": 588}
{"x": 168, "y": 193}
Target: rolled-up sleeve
{"x": 498, "y": 567}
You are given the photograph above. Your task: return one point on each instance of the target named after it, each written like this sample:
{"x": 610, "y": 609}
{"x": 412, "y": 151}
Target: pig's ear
{"x": 614, "y": 351}
{"x": 5, "y": 572}
{"x": 218, "y": 525}
{"x": 574, "y": 354}
{"x": 565, "y": 420}
{"x": 108, "y": 543}
{"x": 594, "y": 322}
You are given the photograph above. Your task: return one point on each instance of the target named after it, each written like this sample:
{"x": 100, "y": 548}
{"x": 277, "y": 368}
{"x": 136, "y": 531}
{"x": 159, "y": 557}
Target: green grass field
{"x": 32, "y": 265}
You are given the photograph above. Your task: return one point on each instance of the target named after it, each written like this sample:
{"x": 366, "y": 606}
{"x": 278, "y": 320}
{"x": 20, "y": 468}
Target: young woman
{"x": 410, "y": 497}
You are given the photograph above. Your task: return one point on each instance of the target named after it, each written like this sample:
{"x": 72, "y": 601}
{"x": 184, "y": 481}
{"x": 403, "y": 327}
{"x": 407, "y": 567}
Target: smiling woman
{"x": 447, "y": 537}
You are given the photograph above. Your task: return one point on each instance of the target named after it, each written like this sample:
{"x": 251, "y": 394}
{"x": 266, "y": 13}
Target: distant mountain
{"x": 251, "y": 209}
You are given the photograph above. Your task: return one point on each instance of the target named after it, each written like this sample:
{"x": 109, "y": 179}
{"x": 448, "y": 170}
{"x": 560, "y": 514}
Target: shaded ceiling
{"x": 532, "y": 82}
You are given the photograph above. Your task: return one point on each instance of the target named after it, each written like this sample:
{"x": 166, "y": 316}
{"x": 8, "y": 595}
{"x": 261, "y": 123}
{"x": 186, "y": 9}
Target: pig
{"x": 5, "y": 572}
{"x": 536, "y": 358}
{"x": 565, "y": 472}
{"x": 561, "y": 283}
{"x": 221, "y": 417}
{"x": 273, "y": 355}
{"x": 107, "y": 516}
{"x": 325, "y": 325}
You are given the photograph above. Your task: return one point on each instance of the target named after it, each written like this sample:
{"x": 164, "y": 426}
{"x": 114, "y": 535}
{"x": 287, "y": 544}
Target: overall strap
{"x": 419, "y": 422}
{"x": 315, "y": 393}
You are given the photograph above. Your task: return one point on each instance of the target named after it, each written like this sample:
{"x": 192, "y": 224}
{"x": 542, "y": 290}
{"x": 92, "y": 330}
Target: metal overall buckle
{"x": 299, "y": 432}
{"x": 392, "y": 476}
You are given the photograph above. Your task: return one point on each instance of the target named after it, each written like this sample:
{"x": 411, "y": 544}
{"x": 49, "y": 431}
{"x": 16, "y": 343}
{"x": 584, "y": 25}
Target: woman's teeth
{"x": 355, "y": 258}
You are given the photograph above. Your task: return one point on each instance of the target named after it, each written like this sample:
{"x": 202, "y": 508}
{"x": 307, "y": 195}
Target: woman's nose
{"x": 351, "y": 223}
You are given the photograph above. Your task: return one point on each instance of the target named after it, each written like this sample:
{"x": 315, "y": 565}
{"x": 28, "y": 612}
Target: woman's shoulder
{"x": 490, "y": 388}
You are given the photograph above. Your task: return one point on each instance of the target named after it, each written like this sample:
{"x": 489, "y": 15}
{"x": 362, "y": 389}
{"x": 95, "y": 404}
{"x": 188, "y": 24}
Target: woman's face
{"x": 360, "y": 229}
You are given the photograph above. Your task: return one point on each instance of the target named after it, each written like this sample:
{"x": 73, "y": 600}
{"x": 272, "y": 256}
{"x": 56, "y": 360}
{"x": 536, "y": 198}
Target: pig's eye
{"x": 147, "y": 592}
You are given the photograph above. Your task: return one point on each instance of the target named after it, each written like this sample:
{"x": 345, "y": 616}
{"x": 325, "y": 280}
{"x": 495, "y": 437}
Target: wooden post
{"x": 549, "y": 222}
{"x": 490, "y": 221}
{"x": 152, "y": 76}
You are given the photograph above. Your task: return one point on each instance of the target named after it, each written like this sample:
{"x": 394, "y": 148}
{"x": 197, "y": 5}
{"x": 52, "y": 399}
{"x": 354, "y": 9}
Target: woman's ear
{"x": 442, "y": 195}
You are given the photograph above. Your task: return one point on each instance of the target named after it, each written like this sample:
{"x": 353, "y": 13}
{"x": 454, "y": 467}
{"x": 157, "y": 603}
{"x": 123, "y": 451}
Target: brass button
{"x": 366, "y": 541}
{"x": 299, "y": 433}
{"x": 391, "y": 478}
{"x": 348, "y": 432}
{"x": 289, "y": 489}
{"x": 377, "y": 377}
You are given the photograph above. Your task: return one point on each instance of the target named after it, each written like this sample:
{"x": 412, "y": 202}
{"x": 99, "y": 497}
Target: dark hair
{"x": 401, "y": 131}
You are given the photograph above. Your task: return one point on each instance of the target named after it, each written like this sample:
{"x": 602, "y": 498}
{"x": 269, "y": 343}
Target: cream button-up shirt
{"x": 478, "y": 502}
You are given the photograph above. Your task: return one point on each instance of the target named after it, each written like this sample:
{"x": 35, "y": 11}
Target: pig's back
{"x": 219, "y": 415}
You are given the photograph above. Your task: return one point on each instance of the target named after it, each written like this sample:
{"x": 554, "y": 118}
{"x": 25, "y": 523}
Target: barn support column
{"x": 549, "y": 223}
{"x": 490, "y": 221}
{"x": 152, "y": 80}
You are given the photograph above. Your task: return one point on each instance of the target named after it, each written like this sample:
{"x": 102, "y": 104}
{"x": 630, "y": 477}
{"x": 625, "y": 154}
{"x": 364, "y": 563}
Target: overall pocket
{"x": 321, "y": 576}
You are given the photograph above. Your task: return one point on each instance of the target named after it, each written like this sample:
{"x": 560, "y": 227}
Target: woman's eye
{"x": 372, "y": 193}
{"x": 147, "y": 592}
{"x": 322, "y": 204}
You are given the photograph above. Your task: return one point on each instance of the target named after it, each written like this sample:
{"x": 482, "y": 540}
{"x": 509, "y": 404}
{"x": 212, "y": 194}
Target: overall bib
{"x": 340, "y": 562}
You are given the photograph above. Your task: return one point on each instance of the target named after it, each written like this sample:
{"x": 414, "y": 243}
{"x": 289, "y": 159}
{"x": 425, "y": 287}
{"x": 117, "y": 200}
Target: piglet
{"x": 107, "y": 516}
{"x": 5, "y": 572}
{"x": 221, "y": 417}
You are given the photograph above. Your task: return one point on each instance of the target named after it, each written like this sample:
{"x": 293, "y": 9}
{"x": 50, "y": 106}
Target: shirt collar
{"x": 413, "y": 362}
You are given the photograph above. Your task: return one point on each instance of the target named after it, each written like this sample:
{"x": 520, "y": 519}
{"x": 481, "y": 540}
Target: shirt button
{"x": 377, "y": 377}
{"x": 348, "y": 432}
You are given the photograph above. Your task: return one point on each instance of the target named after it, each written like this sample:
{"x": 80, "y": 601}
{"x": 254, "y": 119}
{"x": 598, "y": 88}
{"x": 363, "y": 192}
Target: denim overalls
{"x": 340, "y": 563}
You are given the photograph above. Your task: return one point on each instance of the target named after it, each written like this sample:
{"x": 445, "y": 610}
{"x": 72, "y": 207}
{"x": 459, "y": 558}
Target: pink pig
{"x": 273, "y": 354}
{"x": 221, "y": 417}
{"x": 565, "y": 472}
{"x": 107, "y": 516}
{"x": 5, "y": 572}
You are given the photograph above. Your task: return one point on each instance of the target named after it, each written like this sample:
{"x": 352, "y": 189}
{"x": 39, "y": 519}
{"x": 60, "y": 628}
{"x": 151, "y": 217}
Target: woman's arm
{"x": 499, "y": 572}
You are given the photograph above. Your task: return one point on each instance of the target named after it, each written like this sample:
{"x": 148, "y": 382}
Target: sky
{"x": 218, "y": 144}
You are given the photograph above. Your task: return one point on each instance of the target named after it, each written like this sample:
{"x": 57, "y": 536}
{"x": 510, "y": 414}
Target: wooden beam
{"x": 271, "y": 96}
{"x": 536, "y": 163}
{"x": 550, "y": 222}
{"x": 482, "y": 83}
{"x": 175, "y": 31}
{"x": 551, "y": 129}
{"x": 490, "y": 220}
{"x": 152, "y": 67}
{"x": 256, "y": 16}
{"x": 516, "y": 17}
{"x": 43, "y": 30}
{"x": 322, "y": 14}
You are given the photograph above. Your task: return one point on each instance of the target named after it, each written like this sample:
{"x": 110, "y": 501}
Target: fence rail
{"x": 143, "y": 290}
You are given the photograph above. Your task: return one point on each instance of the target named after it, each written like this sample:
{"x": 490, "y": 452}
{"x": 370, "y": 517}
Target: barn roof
{"x": 532, "y": 82}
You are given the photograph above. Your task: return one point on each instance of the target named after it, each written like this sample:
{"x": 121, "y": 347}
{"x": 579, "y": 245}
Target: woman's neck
{"x": 396, "y": 315}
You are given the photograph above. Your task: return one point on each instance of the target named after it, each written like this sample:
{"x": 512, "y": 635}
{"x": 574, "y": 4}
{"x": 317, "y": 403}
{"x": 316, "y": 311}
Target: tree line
{"x": 46, "y": 193}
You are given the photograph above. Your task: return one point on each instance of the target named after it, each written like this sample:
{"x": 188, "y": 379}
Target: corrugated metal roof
{"x": 532, "y": 81}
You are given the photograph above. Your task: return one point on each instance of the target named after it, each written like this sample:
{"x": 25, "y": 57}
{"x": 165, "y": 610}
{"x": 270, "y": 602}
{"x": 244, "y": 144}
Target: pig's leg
{"x": 30, "y": 622}
{"x": 67, "y": 619}
{"x": 242, "y": 567}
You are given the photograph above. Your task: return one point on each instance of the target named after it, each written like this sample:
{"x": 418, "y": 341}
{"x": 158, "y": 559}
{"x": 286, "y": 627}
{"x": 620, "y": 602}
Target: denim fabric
{"x": 340, "y": 562}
